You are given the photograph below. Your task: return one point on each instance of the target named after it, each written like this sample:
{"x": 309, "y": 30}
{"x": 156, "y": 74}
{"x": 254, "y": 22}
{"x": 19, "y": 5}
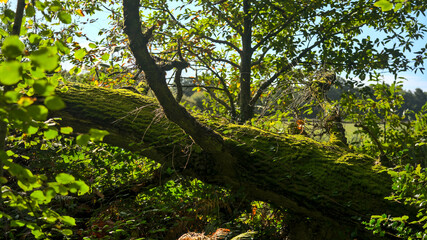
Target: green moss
{"x": 287, "y": 168}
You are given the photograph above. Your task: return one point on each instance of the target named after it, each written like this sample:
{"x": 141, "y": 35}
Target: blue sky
{"x": 414, "y": 80}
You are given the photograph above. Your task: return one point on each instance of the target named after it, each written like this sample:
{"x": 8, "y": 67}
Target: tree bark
{"x": 330, "y": 189}
{"x": 246, "y": 109}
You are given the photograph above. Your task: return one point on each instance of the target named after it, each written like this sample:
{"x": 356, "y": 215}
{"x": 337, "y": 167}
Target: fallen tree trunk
{"x": 331, "y": 189}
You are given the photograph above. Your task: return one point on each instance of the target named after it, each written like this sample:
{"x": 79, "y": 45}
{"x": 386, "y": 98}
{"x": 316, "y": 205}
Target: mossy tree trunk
{"x": 330, "y": 189}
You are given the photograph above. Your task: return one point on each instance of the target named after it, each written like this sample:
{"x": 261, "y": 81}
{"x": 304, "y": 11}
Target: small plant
{"x": 409, "y": 189}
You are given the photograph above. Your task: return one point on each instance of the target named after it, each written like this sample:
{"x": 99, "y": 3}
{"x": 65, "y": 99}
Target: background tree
{"x": 242, "y": 49}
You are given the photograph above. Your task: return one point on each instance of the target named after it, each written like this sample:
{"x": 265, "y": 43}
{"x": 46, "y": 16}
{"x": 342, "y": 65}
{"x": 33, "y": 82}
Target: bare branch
{"x": 222, "y": 81}
{"x": 220, "y": 101}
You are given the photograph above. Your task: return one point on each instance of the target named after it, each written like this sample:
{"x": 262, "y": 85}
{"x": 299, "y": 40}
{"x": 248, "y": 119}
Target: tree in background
{"x": 242, "y": 50}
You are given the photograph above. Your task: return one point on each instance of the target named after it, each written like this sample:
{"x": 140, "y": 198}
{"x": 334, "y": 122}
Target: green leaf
{"x": 38, "y": 112}
{"x": 65, "y": 178}
{"x": 12, "y": 96}
{"x": 54, "y": 103}
{"x": 55, "y": 6}
{"x": 30, "y": 11}
{"x": 3, "y": 180}
{"x": 10, "y": 72}
{"x": 97, "y": 135}
{"x": 12, "y": 47}
{"x": 50, "y": 134}
{"x": 38, "y": 196}
{"x": 64, "y": 17}
{"x": 66, "y": 232}
{"x": 68, "y": 220}
{"x": 42, "y": 87}
{"x": 92, "y": 45}
{"x": 38, "y": 233}
{"x": 385, "y": 5}
{"x": 79, "y": 54}
{"x": 82, "y": 139}
{"x": 397, "y": 7}
{"x": 79, "y": 186}
{"x": 105, "y": 57}
{"x": 45, "y": 58}
{"x": 62, "y": 47}
{"x": 40, "y": 5}
{"x": 34, "y": 38}
{"x": 66, "y": 130}
{"x": 50, "y": 216}
{"x": 31, "y": 129}
{"x": 17, "y": 223}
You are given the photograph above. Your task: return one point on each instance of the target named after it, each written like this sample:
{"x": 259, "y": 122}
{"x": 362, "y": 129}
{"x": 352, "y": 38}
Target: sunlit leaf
{"x": 64, "y": 17}
{"x": 45, "y": 58}
{"x": 105, "y": 57}
{"x": 79, "y": 54}
{"x": 31, "y": 129}
{"x": 66, "y": 130}
{"x": 17, "y": 223}
{"x": 385, "y": 5}
{"x": 50, "y": 134}
{"x": 66, "y": 232}
{"x": 97, "y": 135}
{"x": 68, "y": 220}
{"x": 79, "y": 186}
{"x": 34, "y": 38}
{"x": 65, "y": 178}
{"x": 38, "y": 233}
{"x": 55, "y": 6}
{"x": 62, "y": 47}
{"x": 26, "y": 101}
{"x": 10, "y": 72}
{"x": 38, "y": 196}
{"x": 80, "y": 12}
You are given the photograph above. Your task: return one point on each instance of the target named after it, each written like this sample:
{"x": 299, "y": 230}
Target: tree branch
{"x": 19, "y": 14}
{"x": 224, "y": 60}
{"x": 221, "y": 42}
{"x": 203, "y": 136}
{"x": 223, "y": 83}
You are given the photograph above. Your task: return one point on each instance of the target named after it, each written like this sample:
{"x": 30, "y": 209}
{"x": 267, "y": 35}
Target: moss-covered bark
{"x": 311, "y": 179}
